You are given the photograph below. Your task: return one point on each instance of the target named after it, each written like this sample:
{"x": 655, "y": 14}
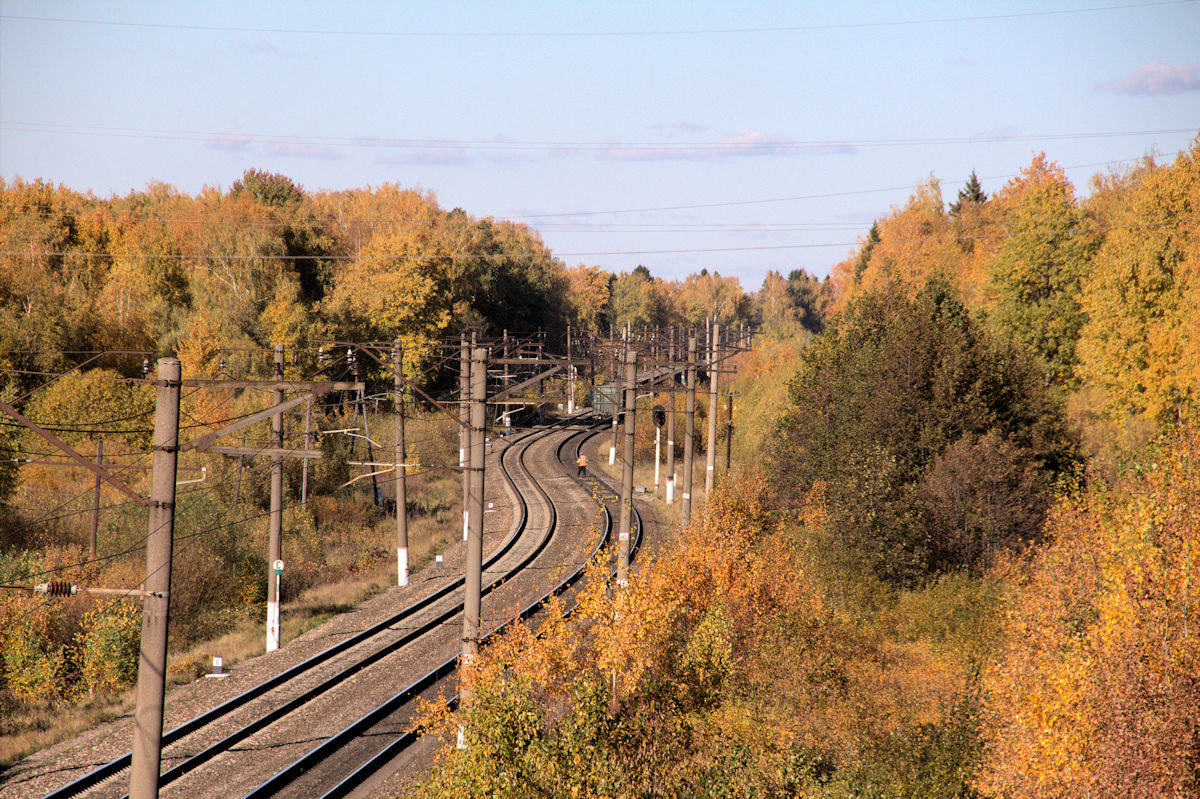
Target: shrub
{"x": 107, "y": 647}
{"x": 1097, "y": 692}
{"x": 938, "y": 446}
{"x": 32, "y": 670}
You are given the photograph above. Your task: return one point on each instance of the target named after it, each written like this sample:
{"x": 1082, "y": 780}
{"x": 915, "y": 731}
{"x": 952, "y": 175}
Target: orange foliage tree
{"x": 718, "y": 671}
{"x": 1097, "y": 693}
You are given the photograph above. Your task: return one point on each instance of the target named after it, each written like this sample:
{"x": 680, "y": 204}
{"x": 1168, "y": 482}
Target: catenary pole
{"x": 671, "y": 423}
{"x": 307, "y": 446}
{"x": 152, "y": 663}
{"x": 275, "y": 546}
{"x": 689, "y": 434}
{"x": 401, "y": 477}
{"x": 464, "y": 432}
{"x": 627, "y": 470}
{"x": 612, "y": 448}
{"x": 474, "y": 573}
{"x": 570, "y": 376}
{"x": 714, "y": 405}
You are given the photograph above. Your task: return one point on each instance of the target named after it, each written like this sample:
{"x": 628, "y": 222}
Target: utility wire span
{"x": 680, "y": 32}
{"x": 1073, "y": 230}
{"x": 249, "y": 221}
{"x": 210, "y": 488}
{"x": 770, "y": 145}
{"x": 185, "y": 540}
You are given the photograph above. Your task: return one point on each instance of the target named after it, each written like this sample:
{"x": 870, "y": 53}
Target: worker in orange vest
{"x": 582, "y": 464}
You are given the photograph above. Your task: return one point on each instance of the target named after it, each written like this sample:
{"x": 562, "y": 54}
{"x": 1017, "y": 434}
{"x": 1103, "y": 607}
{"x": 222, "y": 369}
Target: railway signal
{"x": 659, "y": 415}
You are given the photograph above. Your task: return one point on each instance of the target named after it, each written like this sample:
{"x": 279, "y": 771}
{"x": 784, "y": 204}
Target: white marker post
{"x": 273, "y": 617}
{"x": 657, "y": 454}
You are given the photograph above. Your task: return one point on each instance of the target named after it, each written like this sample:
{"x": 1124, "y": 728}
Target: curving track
{"x": 377, "y": 739}
{"x": 298, "y": 733}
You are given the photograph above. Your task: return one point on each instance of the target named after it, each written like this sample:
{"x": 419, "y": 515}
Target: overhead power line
{"x": 233, "y": 219}
{"x": 768, "y": 145}
{"x": 772, "y": 29}
{"x": 1073, "y": 230}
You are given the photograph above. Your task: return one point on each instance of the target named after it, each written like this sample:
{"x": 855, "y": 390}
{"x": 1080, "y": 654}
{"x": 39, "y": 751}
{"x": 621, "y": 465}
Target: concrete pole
{"x": 671, "y": 427}
{"x": 401, "y": 477}
{"x": 275, "y": 547}
{"x": 307, "y": 446}
{"x": 474, "y": 571}
{"x": 627, "y": 472}
{"x": 714, "y": 405}
{"x": 541, "y": 383}
{"x": 689, "y": 434}
{"x": 570, "y": 376}
{"x": 152, "y": 664}
{"x": 464, "y": 434}
{"x": 504, "y": 384}
{"x": 612, "y": 448}
{"x": 96, "y": 501}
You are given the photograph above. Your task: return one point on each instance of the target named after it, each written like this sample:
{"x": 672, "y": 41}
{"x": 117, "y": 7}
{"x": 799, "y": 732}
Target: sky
{"x": 737, "y": 137}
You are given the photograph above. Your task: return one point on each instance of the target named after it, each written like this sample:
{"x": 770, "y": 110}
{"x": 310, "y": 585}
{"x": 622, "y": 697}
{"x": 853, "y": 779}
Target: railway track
{"x": 275, "y": 717}
{"x": 375, "y": 740}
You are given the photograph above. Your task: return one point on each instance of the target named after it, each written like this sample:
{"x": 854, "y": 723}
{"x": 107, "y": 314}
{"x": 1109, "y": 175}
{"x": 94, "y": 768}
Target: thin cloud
{"x": 261, "y": 47}
{"x": 1002, "y": 132}
{"x": 497, "y": 150}
{"x": 230, "y": 142}
{"x": 427, "y": 158}
{"x": 745, "y": 144}
{"x": 302, "y": 150}
{"x": 1157, "y": 78}
{"x": 682, "y": 128}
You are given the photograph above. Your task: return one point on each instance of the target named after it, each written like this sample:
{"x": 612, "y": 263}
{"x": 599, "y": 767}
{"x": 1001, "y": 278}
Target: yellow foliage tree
{"x": 914, "y": 243}
{"x": 709, "y": 296}
{"x": 393, "y": 290}
{"x": 587, "y": 295}
{"x": 1033, "y": 285}
{"x": 1141, "y": 343}
{"x": 84, "y": 405}
{"x": 1096, "y": 694}
{"x": 719, "y": 670}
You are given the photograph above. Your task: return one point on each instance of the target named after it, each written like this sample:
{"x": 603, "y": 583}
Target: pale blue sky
{"x": 738, "y": 137}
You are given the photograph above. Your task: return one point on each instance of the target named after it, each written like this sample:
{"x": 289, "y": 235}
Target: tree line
{"x": 963, "y": 560}
{"x": 265, "y": 262}
{"x": 217, "y": 279}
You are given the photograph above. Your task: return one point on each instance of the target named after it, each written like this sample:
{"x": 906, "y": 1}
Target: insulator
{"x": 145, "y": 367}
{"x": 56, "y": 588}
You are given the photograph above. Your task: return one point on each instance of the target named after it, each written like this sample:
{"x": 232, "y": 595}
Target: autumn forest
{"x": 957, "y": 553}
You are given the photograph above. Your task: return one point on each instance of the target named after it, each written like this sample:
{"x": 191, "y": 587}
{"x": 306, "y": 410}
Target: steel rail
{"x": 332, "y": 744}
{"x": 365, "y": 771}
{"x": 117, "y": 765}
{"x": 200, "y": 758}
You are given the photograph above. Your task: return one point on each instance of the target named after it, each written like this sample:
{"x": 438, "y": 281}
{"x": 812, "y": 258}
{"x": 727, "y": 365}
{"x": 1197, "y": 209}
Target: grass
{"x": 29, "y": 727}
{"x": 356, "y": 543}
